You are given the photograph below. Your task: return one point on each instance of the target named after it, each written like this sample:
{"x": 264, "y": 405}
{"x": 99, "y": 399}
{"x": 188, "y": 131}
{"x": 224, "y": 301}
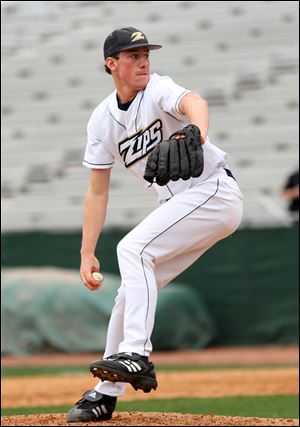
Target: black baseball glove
{"x": 176, "y": 157}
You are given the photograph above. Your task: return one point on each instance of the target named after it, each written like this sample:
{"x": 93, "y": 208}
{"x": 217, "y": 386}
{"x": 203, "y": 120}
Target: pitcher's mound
{"x": 148, "y": 419}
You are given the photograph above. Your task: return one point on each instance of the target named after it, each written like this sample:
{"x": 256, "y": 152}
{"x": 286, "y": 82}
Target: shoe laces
{"x": 112, "y": 357}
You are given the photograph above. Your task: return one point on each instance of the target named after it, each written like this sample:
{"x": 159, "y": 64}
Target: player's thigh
{"x": 166, "y": 271}
{"x": 193, "y": 219}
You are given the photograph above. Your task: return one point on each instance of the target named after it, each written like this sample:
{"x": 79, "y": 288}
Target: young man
{"x": 193, "y": 214}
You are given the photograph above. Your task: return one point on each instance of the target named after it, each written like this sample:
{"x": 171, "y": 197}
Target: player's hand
{"x": 89, "y": 264}
{"x": 179, "y": 157}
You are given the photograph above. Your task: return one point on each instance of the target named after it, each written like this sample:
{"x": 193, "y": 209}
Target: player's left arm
{"x": 195, "y": 110}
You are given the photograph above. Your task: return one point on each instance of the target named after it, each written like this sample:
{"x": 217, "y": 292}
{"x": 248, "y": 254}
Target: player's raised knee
{"x": 128, "y": 249}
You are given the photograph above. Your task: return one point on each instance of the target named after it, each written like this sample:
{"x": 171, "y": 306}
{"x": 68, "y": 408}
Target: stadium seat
{"x": 241, "y": 56}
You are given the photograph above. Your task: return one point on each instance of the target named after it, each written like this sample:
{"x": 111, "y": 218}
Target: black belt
{"x": 229, "y": 173}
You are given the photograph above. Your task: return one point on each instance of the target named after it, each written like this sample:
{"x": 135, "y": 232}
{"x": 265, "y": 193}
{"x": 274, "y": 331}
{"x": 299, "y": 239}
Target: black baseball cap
{"x": 125, "y": 39}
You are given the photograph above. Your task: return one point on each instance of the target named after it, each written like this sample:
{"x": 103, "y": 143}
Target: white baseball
{"x": 98, "y": 276}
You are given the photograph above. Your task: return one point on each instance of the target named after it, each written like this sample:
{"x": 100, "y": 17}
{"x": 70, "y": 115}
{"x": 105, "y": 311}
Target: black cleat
{"x": 93, "y": 406}
{"x": 127, "y": 368}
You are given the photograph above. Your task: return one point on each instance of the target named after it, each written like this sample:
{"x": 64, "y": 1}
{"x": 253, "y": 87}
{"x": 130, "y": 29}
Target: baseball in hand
{"x": 98, "y": 276}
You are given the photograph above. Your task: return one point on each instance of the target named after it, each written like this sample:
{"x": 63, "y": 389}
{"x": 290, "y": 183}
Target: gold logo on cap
{"x": 137, "y": 36}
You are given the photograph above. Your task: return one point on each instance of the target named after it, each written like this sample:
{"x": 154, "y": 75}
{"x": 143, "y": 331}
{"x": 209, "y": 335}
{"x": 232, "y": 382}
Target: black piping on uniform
{"x": 116, "y": 119}
{"x": 169, "y": 190}
{"x": 135, "y": 122}
{"x": 99, "y": 164}
{"x": 177, "y": 104}
{"x": 185, "y": 92}
{"x": 142, "y": 261}
{"x": 160, "y": 234}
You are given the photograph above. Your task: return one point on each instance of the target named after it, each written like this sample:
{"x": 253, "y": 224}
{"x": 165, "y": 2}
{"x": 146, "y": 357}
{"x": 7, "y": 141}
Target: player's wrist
{"x": 87, "y": 252}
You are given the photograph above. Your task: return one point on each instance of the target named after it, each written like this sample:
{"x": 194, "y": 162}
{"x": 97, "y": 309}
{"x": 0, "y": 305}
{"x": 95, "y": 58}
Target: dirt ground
{"x": 207, "y": 356}
{"x": 67, "y": 389}
{"x": 149, "y": 419}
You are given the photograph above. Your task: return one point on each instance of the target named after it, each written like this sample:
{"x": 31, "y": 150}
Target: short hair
{"x": 116, "y": 56}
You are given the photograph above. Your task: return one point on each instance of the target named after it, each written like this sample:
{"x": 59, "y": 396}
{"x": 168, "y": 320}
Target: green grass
{"x": 250, "y": 406}
{"x": 79, "y": 369}
{"x": 43, "y": 370}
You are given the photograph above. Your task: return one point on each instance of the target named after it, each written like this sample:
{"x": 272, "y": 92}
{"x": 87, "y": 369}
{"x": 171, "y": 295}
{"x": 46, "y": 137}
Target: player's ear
{"x": 111, "y": 63}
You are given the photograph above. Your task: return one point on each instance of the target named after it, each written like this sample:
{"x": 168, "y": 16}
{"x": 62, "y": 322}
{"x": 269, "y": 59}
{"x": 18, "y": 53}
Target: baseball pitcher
{"x": 159, "y": 131}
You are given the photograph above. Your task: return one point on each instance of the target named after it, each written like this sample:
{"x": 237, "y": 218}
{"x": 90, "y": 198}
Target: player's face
{"x": 133, "y": 67}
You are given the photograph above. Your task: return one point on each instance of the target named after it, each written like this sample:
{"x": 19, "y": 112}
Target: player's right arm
{"x": 95, "y": 206}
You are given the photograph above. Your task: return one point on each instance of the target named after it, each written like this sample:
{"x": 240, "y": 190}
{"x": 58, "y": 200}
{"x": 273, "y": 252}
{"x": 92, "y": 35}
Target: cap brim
{"x": 154, "y": 46}
{"x": 136, "y": 46}
{"x": 150, "y": 46}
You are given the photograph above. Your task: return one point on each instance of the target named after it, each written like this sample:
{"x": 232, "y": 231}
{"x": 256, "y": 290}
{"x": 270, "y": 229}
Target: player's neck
{"x": 124, "y": 105}
{"x": 124, "y": 96}
{"x": 125, "y": 92}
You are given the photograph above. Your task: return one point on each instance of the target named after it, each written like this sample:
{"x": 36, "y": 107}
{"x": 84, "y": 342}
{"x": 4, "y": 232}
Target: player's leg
{"x": 116, "y": 324}
{"x": 189, "y": 224}
{"x": 191, "y": 221}
{"x": 113, "y": 338}
{"x": 98, "y": 404}
{"x": 167, "y": 271}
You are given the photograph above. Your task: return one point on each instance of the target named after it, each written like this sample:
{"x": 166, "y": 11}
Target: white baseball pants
{"x": 157, "y": 250}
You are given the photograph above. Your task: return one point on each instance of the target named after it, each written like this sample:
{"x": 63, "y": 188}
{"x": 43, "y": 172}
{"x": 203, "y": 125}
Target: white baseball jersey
{"x": 129, "y": 136}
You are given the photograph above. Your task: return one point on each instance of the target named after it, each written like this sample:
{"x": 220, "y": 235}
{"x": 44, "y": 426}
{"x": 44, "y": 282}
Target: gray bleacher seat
{"x": 241, "y": 56}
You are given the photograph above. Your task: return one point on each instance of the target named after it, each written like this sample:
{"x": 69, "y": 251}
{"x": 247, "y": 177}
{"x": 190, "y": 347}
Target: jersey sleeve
{"x": 167, "y": 95}
{"x": 96, "y": 154}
